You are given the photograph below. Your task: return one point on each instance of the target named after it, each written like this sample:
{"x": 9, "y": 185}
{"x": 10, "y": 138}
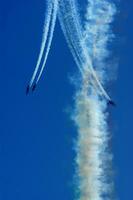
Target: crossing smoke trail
{"x": 71, "y": 26}
{"x": 93, "y": 157}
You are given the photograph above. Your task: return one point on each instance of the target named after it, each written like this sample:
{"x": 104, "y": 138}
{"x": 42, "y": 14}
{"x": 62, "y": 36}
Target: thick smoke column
{"x": 93, "y": 157}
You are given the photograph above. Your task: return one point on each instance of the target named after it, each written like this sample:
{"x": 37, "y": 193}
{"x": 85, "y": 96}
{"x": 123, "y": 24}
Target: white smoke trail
{"x": 68, "y": 20}
{"x": 50, "y": 36}
{"x": 49, "y": 8}
{"x": 68, "y": 39}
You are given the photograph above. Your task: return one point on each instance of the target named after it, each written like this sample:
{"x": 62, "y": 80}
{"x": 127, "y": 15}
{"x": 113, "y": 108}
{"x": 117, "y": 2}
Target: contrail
{"x": 49, "y": 8}
{"x": 50, "y": 36}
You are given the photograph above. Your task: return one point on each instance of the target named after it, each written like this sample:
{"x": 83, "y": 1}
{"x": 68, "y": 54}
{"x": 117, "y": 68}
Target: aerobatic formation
{"x": 68, "y": 15}
{"x": 88, "y": 40}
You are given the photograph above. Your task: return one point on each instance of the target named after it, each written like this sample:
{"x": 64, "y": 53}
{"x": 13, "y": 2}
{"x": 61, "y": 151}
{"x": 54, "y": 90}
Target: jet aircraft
{"x": 34, "y": 87}
{"x": 112, "y": 103}
{"x": 27, "y": 90}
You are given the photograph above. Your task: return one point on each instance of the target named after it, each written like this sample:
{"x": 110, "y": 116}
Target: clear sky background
{"x": 36, "y": 133}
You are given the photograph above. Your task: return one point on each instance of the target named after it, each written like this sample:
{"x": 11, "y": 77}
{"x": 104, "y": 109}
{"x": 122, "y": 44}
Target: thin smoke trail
{"x": 65, "y": 29}
{"x": 44, "y": 38}
{"x": 67, "y": 17}
{"x": 50, "y": 36}
{"x": 74, "y": 27}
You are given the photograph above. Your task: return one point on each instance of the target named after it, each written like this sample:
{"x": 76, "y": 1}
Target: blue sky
{"x": 36, "y": 133}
